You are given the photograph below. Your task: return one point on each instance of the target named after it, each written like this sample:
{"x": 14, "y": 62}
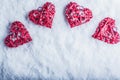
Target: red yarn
{"x": 77, "y": 15}
{"x": 106, "y": 31}
{"x": 18, "y": 35}
{"x": 43, "y": 16}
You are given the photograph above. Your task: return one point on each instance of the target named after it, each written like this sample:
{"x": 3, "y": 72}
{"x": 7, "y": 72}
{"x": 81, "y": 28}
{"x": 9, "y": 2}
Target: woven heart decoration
{"x": 44, "y": 15}
{"x": 18, "y": 35}
{"x": 106, "y": 31}
{"x": 77, "y": 15}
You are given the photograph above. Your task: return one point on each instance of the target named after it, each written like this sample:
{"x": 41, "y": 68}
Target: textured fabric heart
{"x": 77, "y": 15}
{"x": 43, "y": 16}
{"x": 18, "y": 35}
{"x": 106, "y": 31}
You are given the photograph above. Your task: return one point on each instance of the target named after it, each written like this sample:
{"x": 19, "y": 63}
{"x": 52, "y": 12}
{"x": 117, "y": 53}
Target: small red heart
{"x": 77, "y": 15}
{"x": 18, "y": 35}
{"x": 106, "y": 31}
{"x": 43, "y": 16}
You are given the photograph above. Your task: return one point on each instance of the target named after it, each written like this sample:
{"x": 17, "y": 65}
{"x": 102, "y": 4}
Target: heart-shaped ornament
{"x": 43, "y": 16}
{"x": 106, "y": 31}
{"x": 18, "y": 35}
{"x": 77, "y": 15}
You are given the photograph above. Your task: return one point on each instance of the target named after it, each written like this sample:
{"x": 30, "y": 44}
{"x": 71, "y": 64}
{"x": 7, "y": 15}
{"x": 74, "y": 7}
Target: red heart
{"x": 18, "y": 35}
{"x": 106, "y": 31}
{"x": 43, "y": 16}
{"x": 77, "y": 15}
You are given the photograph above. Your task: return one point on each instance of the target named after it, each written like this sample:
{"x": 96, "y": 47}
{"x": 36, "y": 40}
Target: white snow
{"x": 61, "y": 52}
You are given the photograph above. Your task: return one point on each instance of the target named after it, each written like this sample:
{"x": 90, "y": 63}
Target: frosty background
{"x": 60, "y": 53}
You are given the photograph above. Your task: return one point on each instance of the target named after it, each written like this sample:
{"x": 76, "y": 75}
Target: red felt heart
{"x": 43, "y": 16}
{"x": 77, "y": 15}
{"x": 18, "y": 35}
{"x": 106, "y": 31}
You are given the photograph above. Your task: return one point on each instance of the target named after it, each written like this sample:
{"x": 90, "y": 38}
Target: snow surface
{"x": 60, "y": 53}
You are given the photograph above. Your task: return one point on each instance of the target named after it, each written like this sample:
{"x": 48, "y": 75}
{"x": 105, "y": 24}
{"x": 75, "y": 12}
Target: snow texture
{"x": 60, "y": 53}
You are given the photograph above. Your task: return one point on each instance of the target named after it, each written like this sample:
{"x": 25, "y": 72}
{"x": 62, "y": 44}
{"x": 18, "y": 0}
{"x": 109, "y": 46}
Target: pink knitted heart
{"x": 43, "y": 16}
{"x": 77, "y": 15}
{"x": 106, "y": 31}
{"x": 18, "y": 35}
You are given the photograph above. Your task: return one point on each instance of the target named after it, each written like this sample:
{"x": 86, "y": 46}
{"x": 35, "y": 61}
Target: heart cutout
{"x": 18, "y": 35}
{"x": 106, "y": 31}
{"x": 44, "y": 15}
{"x": 77, "y": 15}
